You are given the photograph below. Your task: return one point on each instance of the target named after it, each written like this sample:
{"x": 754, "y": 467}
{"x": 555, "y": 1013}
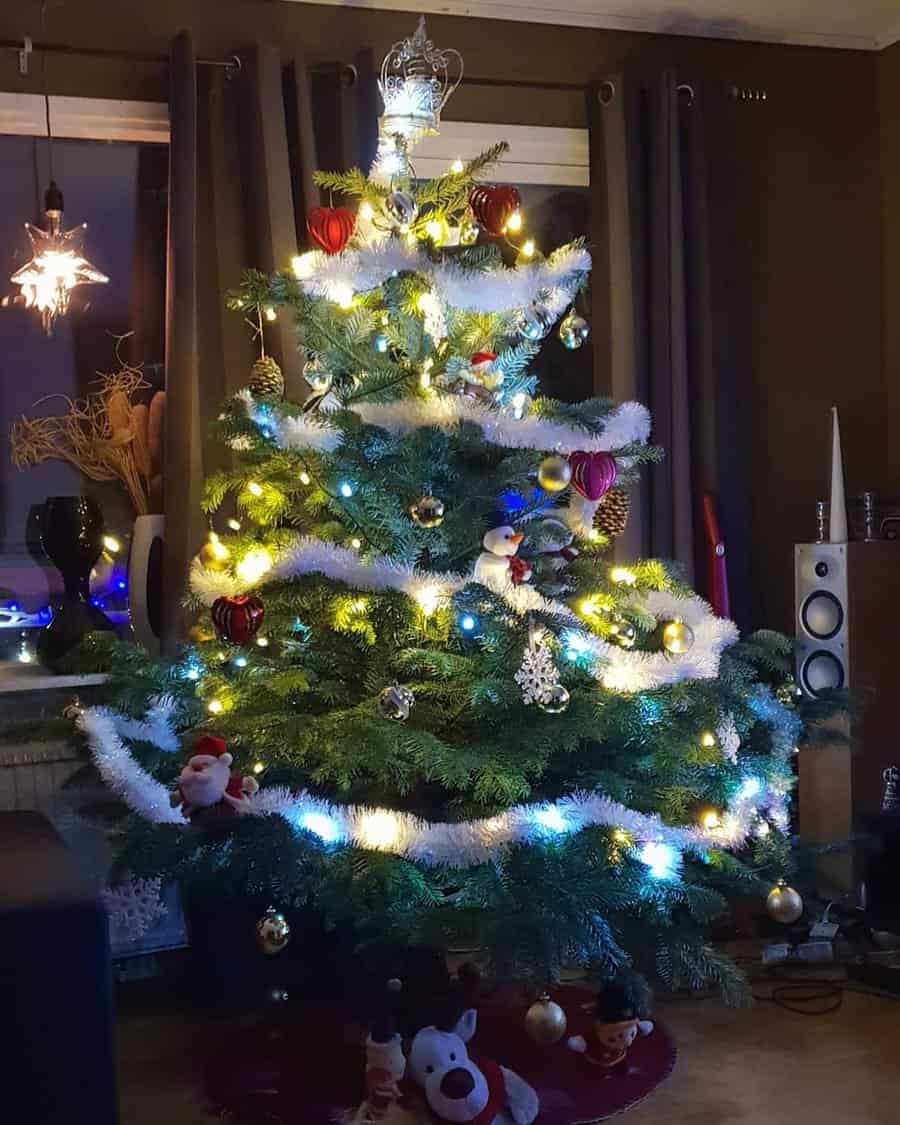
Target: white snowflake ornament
{"x": 133, "y": 908}
{"x": 537, "y": 675}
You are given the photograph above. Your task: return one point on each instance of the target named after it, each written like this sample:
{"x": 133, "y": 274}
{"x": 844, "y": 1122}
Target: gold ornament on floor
{"x": 395, "y": 703}
{"x": 677, "y": 638}
{"x": 554, "y": 473}
{"x": 611, "y": 517}
{"x": 273, "y": 932}
{"x": 555, "y": 701}
{"x": 428, "y": 512}
{"x": 784, "y": 904}
{"x": 266, "y": 378}
{"x": 545, "y": 1021}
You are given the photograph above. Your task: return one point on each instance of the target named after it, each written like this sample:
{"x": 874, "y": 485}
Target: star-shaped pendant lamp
{"x": 57, "y": 263}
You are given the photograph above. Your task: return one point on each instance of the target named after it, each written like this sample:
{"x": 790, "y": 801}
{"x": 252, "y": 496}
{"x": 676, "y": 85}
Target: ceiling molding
{"x": 890, "y": 37}
{"x": 537, "y": 155}
{"x": 91, "y": 119}
{"x": 571, "y": 13}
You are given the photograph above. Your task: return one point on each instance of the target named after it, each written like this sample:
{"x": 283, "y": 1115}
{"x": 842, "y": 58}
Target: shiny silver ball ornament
{"x": 395, "y": 703}
{"x": 534, "y": 323}
{"x": 622, "y": 634}
{"x": 468, "y": 232}
{"x": 273, "y": 932}
{"x": 574, "y": 330}
{"x": 545, "y": 1021}
{"x": 401, "y": 207}
{"x": 316, "y": 377}
{"x": 556, "y": 700}
{"x": 554, "y": 473}
{"x": 789, "y": 693}
{"x": 784, "y": 904}
{"x": 677, "y": 638}
{"x": 381, "y": 344}
{"x": 428, "y": 512}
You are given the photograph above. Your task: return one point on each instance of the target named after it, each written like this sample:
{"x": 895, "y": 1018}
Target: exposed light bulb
{"x": 428, "y": 598}
{"x": 457, "y": 167}
{"x": 111, "y": 544}
{"x": 258, "y": 767}
{"x": 321, "y": 825}
{"x": 527, "y": 248}
{"x": 379, "y": 830}
{"x": 254, "y": 565}
{"x": 622, "y": 576}
{"x": 234, "y": 525}
{"x": 262, "y": 642}
{"x": 710, "y": 820}
{"x": 346, "y": 489}
{"x": 271, "y": 314}
{"x": 304, "y": 265}
{"x": 304, "y": 477}
{"x": 355, "y": 543}
{"x": 215, "y": 706}
{"x": 366, "y": 213}
{"x": 254, "y": 488}
{"x": 514, "y": 222}
{"x": 707, "y": 740}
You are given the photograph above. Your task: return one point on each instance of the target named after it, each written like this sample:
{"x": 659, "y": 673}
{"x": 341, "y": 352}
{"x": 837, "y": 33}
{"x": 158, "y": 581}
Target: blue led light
{"x": 121, "y": 584}
{"x": 98, "y": 603}
{"x": 346, "y": 489}
{"x": 13, "y": 607}
{"x": 45, "y": 614}
{"x": 192, "y": 672}
{"x": 550, "y": 818}
{"x": 662, "y": 859}
{"x": 240, "y": 661}
{"x": 321, "y": 825}
{"x": 750, "y": 787}
{"x": 468, "y": 623}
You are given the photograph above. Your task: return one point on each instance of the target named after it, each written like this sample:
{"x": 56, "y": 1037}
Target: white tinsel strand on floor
{"x": 554, "y": 281}
{"x": 628, "y": 425}
{"x": 456, "y": 845}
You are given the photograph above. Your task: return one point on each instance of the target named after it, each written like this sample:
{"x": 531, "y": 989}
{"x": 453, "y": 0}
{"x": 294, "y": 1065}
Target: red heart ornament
{"x": 493, "y": 206}
{"x": 593, "y": 474}
{"x": 237, "y": 619}
{"x": 331, "y": 227}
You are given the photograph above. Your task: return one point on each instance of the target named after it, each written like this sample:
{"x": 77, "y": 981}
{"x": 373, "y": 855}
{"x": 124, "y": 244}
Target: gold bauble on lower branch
{"x": 545, "y": 1021}
{"x": 784, "y": 904}
{"x": 273, "y": 932}
{"x": 677, "y": 637}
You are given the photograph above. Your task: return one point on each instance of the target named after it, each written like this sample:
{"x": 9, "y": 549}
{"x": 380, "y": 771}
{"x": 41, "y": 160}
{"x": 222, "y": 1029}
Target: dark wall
{"x": 801, "y": 170}
{"x": 889, "y": 75}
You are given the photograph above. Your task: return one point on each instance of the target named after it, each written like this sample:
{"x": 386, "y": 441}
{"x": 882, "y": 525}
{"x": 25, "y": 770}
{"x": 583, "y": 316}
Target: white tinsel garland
{"x": 628, "y": 424}
{"x": 337, "y": 276}
{"x": 455, "y": 844}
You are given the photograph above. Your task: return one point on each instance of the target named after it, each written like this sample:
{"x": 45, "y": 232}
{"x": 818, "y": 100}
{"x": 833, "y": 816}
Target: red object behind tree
{"x": 716, "y": 565}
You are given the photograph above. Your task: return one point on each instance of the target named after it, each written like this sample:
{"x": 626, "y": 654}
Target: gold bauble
{"x": 677, "y": 638}
{"x": 212, "y": 558}
{"x": 273, "y": 932}
{"x": 784, "y": 904}
{"x": 197, "y": 634}
{"x": 554, "y": 473}
{"x": 468, "y": 232}
{"x": 545, "y": 1021}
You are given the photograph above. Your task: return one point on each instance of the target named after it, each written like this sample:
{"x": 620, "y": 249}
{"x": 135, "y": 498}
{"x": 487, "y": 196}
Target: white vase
{"x": 145, "y": 580}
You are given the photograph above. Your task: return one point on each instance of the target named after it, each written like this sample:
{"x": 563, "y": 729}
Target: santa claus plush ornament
{"x": 497, "y": 564}
{"x": 465, "y": 1090}
{"x": 206, "y": 786}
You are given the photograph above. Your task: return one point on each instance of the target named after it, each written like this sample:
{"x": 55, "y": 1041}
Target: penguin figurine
{"x": 497, "y": 564}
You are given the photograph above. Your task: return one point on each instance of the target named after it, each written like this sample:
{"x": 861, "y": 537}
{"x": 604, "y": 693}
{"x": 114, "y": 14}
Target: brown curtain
{"x": 660, "y": 330}
{"x": 242, "y": 154}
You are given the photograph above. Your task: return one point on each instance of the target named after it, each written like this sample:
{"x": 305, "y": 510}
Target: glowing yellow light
{"x": 258, "y": 767}
{"x": 707, "y": 740}
{"x": 379, "y": 830}
{"x": 304, "y": 265}
{"x": 366, "y": 213}
{"x": 271, "y": 314}
{"x": 589, "y": 607}
{"x": 254, "y": 565}
{"x": 425, "y": 376}
{"x": 434, "y": 228}
{"x": 457, "y": 167}
{"x": 356, "y": 544}
{"x": 428, "y": 598}
{"x": 215, "y": 706}
{"x": 426, "y": 302}
{"x": 360, "y": 605}
{"x": 220, "y": 655}
{"x": 254, "y": 489}
{"x": 262, "y": 642}
{"x": 26, "y": 656}
{"x": 621, "y": 836}
{"x": 622, "y": 576}
{"x": 594, "y": 535}
{"x": 342, "y": 295}
{"x": 217, "y": 548}
{"x": 527, "y": 248}
{"x": 305, "y": 477}
{"x": 514, "y": 222}
{"x": 234, "y": 524}
{"x": 111, "y": 544}
{"x": 410, "y": 238}
{"x": 710, "y": 820}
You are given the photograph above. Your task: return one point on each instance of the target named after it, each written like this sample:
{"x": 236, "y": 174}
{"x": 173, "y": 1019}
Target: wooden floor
{"x": 765, "y": 1066}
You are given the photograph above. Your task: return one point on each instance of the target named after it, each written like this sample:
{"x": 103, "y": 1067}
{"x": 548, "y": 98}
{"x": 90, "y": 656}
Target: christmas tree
{"x": 466, "y": 724}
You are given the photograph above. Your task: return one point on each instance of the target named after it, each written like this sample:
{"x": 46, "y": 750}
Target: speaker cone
{"x": 822, "y": 615}
{"x": 821, "y": 671}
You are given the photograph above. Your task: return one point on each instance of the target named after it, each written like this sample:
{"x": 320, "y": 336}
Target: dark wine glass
{"x": 72, "y": 537}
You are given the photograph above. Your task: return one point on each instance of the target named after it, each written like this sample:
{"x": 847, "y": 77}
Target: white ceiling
{"x": 863, "y": 24}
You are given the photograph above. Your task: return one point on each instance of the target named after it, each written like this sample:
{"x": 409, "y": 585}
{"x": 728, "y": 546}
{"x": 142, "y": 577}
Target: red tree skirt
{"x": 308, "y": 1074}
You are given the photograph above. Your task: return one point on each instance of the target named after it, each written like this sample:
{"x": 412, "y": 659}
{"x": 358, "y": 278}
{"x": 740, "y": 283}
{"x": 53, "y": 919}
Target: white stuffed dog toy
{"x": 458, "y": 1089}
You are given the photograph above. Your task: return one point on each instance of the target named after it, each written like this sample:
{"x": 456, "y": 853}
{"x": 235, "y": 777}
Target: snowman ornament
{"x": 497, "y": 565}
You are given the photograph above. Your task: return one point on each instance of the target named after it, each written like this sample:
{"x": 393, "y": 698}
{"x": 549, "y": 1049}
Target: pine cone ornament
{"x": 266, "y": 379}
{"x": 612, "y": 512}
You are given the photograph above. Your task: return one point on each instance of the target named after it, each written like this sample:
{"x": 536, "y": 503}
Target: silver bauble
{"x": 554, "y": 473}
{"x": 395, "y": 703}
{"x": 556, "y": 700}
{"x": 574, "y": 330}
{"x": 468, "y": 232}
{"x": 677, "y": 638}
{"x": 273, "y": 932}
{"x": 545, "y": 1021}
{"x": 784, "y": 904}
{"x": 401, "y": 207}
{"x": 316, "y": 377}
{"x": 534, "y": 323}
{"x": 428, "y": 512}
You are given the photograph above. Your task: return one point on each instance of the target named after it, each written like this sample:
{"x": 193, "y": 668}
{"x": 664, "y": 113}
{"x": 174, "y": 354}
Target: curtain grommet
{"x": 606, "y": 91}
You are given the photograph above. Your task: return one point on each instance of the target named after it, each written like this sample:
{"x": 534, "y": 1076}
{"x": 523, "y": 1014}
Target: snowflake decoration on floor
{"x": 133, "y": 908}
{"x": 537, "y": 674}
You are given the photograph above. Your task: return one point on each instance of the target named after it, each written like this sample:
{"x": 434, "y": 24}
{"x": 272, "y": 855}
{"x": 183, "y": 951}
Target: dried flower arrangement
{"x": 106, "y": 436}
